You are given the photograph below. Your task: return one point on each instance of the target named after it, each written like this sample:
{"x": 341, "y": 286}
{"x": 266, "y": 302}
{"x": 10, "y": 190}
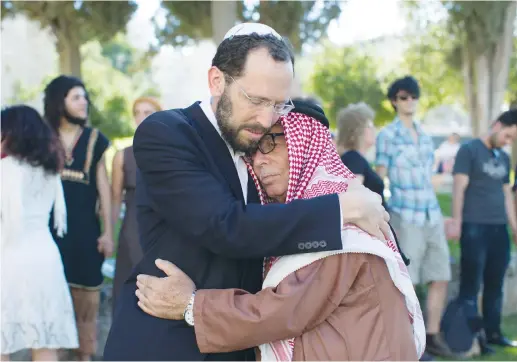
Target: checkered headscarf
{"x": 311, "y": 154}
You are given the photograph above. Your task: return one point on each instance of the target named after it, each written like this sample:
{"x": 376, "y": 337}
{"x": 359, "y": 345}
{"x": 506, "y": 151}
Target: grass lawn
{"x": 509, "y": 323}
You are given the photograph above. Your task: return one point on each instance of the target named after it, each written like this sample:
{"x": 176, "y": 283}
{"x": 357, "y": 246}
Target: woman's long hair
{"x": 26, "y": 136}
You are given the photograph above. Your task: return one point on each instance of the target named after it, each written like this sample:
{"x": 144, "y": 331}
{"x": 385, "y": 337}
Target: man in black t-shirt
{"x": 483, "y": 207}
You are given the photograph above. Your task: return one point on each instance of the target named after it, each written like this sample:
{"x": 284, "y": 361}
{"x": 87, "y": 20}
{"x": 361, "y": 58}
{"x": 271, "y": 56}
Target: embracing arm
{"x": 117, "y": 185}
{"x": 105, "y": 241}
{"x": 232, "y": 319}
{"x": 168, "y": 154}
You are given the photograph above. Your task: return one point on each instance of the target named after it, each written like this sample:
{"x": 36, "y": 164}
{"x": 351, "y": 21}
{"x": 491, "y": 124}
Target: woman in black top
{"x": 356, "y": 136}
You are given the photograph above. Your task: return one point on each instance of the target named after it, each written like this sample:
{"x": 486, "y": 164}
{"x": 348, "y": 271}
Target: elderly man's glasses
{"x": 268, "y": 143}
{"x": 281, "y": 109}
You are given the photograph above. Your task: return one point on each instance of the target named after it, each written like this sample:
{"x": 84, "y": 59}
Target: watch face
{"x": 189, "y": 311}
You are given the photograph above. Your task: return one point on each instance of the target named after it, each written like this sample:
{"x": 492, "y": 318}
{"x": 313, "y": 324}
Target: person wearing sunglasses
{"x": 198, "y": 208}
{"x": 404, "y": 154}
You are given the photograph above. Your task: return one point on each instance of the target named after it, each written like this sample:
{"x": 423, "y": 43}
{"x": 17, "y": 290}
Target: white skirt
{"x": 37, "y": 310}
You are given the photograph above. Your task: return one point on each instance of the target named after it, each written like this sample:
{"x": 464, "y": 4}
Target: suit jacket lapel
{"x": 221, "y": 154}
{"x": 253, "y": 197}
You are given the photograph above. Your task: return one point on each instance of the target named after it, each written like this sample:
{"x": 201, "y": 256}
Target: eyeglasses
{"x": 267, "y": 144}
{"x": 281, "y": 109}
{"x": 406, "y": 97}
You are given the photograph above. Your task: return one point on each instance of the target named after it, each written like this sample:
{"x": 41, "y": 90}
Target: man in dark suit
{"x": 198, "y": 209}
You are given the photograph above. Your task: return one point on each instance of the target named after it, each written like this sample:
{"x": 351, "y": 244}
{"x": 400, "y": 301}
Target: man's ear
{"x": 392, "y": 101}
{"x": 216, "y": 81}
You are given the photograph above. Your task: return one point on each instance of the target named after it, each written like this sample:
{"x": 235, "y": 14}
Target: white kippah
{"x": 249, "y": 28}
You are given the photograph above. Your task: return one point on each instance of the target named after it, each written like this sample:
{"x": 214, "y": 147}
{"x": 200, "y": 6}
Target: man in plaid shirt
{"x": 405, "y": 154}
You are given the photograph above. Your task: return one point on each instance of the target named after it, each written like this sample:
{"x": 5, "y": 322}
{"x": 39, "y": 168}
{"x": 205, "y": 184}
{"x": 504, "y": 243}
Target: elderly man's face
{"x": 272, "y": 168}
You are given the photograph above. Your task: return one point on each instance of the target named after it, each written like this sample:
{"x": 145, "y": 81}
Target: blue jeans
{"x": 485, "y": 255}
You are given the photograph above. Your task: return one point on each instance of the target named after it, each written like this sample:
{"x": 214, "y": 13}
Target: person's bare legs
{"x": 5, "y": 357}
{"x": 83, "y": 356}
{"x": 436, "y": 295}
{"x": 44, "y": 354}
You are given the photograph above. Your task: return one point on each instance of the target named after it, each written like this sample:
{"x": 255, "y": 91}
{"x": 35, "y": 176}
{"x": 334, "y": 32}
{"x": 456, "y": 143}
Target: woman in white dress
{"x": 37, "y": 311}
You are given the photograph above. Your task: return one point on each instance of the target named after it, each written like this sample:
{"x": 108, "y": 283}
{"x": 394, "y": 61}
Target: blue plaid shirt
{"x": 410, "y": 169}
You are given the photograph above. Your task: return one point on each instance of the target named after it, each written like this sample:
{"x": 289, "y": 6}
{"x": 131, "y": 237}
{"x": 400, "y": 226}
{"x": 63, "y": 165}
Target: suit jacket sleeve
{"x": 232, "y": 319}
{"x": 184, "y": 192}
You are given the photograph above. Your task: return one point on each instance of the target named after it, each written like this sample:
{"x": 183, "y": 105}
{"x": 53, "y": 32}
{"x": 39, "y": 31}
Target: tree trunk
{"x": 68, "y": 47}
{"x": 224, "y": 17}
{"x": 486, "y": 76}
{"x": 501, "y": 61}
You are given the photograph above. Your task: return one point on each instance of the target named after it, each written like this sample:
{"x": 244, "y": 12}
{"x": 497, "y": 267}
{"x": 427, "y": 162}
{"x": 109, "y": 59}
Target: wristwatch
{"x": 189, "y": 310}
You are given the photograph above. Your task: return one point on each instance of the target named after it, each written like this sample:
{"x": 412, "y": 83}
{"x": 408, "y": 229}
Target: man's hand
{"x": 165, "y": 297}
{"x": 362, "y": 207}
{"x": 452, "y": 229}
{"x": 105, "y": 245}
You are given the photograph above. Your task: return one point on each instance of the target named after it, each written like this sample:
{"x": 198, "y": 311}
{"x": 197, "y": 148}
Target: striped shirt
{"x": 410, "y": 170}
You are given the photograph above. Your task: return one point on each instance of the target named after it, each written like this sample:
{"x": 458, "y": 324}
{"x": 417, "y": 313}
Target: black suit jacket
{"x": 191, "y": 211}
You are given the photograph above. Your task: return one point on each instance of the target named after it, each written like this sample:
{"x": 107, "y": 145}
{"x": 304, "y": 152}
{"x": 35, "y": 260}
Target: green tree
{"x": 301, "y": 21}
{"x": 484, "y": 31}
{"x": 512, "y": 79}
{"x": 479, "y": 34}
{"x": 74, "y": 23}
{"x": 344, "y": 76}
{"x": 112, "y": 91}
{"x": 427, "y": 59}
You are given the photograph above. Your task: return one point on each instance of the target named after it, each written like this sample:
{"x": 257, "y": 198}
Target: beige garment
{"x": 343, "y": 307}
{"x": 426, "y": 247}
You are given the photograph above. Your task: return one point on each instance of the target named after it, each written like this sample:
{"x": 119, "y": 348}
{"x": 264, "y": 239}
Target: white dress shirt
{"x": 238, "y": 161}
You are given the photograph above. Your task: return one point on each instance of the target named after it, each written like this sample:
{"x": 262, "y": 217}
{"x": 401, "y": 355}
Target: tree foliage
{"x": 427, "y": 59}
{"x": 344, "y": 76}
{"x": 74, "y": 23}
{"x": 185, "y": 22}
{"x": 478, "y": 23}
{"x": 512, "y": 79}
{"x": 302, "y": 22}
{"x": 479, "y": 36}
{"x": 113, "y": 90}
{"x": 484, "y": 30}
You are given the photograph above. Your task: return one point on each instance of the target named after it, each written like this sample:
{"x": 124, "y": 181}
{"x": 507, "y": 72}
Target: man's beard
{"x": 493, "y": 140}
{"x": 75, "y": 120}
{"x": 223, "y": 115}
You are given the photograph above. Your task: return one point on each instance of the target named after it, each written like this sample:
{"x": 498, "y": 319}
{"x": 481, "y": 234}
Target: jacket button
{"x": 323, "y": 244}
{"x": 301, "y": 246}
{"x": 308, "y": 245}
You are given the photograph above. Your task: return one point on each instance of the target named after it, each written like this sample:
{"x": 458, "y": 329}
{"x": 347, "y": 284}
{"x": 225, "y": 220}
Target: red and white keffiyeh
{"x": 315, "y": 169}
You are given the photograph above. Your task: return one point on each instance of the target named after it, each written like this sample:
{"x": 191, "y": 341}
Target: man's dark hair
{"x": 408, "y": 84}
{"x": 232, "y": 53}
{"x": 310, "y": 99}
{"x": 54, "y": 101}
{"x": 508, "y": 118}
{"x": 27, "y": 137}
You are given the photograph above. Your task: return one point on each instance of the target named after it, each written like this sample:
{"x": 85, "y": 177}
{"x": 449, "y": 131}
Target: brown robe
{"x": 343, "y": 307}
